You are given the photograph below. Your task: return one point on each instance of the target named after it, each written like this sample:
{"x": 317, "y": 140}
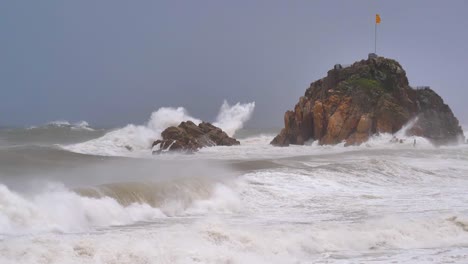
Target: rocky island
{"x": 368, "y": 97}
{"x": 188, "y": 137}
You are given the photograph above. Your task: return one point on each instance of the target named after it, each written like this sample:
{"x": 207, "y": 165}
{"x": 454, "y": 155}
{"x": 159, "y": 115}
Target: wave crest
{"x": 59, "y": 209}
{"x": 137, "y": 139}
{"x": 80, "y": 125}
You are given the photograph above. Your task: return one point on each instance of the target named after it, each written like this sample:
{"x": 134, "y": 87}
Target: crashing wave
{"x": 80, "y": 125}
{"x": 232, "y": 118}
{"x": 138, "y": 138}
{"x": 59, "y": 209}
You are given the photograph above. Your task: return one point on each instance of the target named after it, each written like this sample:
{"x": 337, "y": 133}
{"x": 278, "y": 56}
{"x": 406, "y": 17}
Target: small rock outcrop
{"x": 188, "y": 137}
{"x": 369, "y": 97}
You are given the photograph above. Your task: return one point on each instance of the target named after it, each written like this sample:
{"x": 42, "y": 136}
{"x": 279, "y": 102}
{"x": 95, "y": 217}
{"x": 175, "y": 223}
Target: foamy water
{"x": 380, "y": 202}
{"x": 138, "y": 138}
{"x": 380, "y": 206}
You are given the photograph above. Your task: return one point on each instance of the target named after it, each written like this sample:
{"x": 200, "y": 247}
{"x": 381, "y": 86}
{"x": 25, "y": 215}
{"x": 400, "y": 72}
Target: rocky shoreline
{"x": 369, "y": 97}
{"x": 349, "y": 105}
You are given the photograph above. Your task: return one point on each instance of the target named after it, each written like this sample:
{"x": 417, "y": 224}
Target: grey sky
{"x": 114, "y": 62}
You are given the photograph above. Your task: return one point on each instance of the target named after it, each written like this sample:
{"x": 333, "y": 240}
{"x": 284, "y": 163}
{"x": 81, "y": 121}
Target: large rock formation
{"x": 188, "y": 137}
{"x": 370, "y": 96}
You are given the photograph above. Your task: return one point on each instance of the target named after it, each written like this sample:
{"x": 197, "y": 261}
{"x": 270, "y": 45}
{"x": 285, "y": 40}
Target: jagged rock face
{"x": 371, "y": 96}
{"x": 188, "y": 137}
{"x": 436, "y": 120}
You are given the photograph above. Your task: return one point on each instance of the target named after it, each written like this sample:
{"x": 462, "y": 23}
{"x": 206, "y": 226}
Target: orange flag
{"x": 377, "y": 18}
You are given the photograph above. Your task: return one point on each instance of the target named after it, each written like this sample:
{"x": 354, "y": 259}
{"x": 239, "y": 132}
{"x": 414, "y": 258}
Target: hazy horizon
{"x": 111, "y": 63}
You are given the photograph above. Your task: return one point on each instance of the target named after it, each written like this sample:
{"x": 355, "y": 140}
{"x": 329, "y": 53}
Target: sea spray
{"x": 165, "y": 117}
{"x": 136, "y": 139}
{"x": 232, "y": 118}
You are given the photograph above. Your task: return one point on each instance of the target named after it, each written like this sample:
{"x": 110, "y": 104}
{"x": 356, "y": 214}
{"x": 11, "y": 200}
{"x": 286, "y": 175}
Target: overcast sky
{"x": 114, "y": 62}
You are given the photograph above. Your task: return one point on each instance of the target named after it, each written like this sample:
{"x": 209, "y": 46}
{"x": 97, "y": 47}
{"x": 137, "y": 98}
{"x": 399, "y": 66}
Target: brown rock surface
{"x": 369, "y": 97}
{"x": 188, "y": 137}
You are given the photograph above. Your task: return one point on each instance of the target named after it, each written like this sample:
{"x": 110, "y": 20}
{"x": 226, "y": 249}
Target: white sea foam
{"x": 281, "y": 216}
{"x": 381, "y": 202}
{"x": 80, "y": 125}
{"x": 137, "y": 139}
{"x": 258, "y": 147}
{"x": 214, "y": 241}
{"x": 58, "y": 209}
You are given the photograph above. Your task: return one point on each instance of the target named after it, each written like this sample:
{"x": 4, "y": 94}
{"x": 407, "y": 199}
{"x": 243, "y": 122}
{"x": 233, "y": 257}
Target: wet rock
{"x": 188, "y": 137}
{"x": 369, "y": 97}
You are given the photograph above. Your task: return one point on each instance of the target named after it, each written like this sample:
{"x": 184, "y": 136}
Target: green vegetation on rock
{"x": 365, "y": 83}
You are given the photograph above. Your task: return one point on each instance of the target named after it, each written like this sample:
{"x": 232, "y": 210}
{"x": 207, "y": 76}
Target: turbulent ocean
{"x": 72, "y": 193}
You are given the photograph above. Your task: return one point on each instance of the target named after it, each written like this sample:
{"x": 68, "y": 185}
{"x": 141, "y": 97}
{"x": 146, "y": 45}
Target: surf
{"x": 138, "y": 138}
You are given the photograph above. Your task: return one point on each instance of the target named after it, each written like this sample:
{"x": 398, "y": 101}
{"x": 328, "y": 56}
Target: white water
{"x": 380, "y": 202}
{"x": 77, "y": 125}
{"x": 80, "y": 125}
{"x": 379, "y": 205}
{"x": 64, "y": 211}
{"x": 57, "y": 209}
{"x": 140, "y": 138}
{"x": 232, "y": 118}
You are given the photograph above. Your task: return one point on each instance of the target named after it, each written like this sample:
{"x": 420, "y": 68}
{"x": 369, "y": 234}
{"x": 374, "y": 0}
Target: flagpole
{"x": 375, "y": 41}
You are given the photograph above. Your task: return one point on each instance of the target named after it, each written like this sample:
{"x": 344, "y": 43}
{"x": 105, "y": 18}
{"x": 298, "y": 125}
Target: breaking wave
{"x": 59, "y": 209}
{"x": 380, "y": 202}
{"x": 326, "y": 207}
{"x": 138, "y": 138}
{"x": 80, "y": 125}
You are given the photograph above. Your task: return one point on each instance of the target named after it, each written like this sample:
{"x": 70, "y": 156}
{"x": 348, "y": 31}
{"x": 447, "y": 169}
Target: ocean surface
{"x": 70, "y": 193}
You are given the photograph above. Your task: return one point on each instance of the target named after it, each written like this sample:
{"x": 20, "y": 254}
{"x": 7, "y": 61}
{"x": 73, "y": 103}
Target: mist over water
{"x": 77, "y": 195}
